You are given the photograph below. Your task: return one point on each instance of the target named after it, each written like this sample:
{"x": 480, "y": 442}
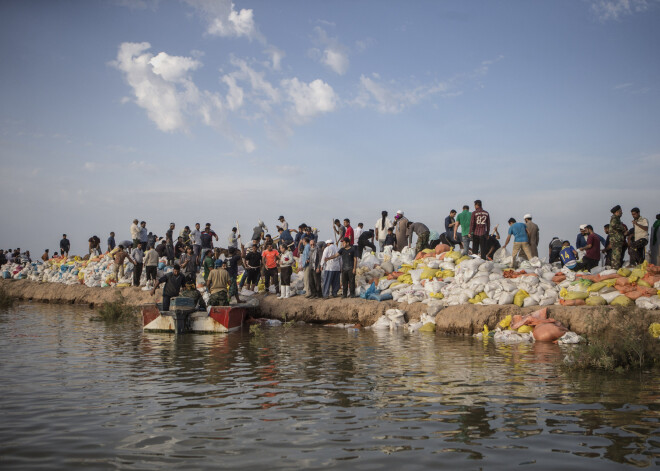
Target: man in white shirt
{"x": 135, "y": 232}
{"x": 196, "y": 239}
{"x": 331, "y": 269}
{"x": 357, "y": 233}
{"x": 637, "y": 246}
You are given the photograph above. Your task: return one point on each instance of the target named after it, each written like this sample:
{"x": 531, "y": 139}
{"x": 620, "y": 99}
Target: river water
{"x": 82, "y": 394}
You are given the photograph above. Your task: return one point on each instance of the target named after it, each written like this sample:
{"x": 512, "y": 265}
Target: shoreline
{"x": 464, "y": 319}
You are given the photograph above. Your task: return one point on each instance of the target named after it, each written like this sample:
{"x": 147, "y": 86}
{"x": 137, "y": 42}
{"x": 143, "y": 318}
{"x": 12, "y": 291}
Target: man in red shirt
{"x": 592, "y": 250}
{"x": 479, "y": 229}
{"x": 270, "y": 257}
{"x": 349, "y": 231}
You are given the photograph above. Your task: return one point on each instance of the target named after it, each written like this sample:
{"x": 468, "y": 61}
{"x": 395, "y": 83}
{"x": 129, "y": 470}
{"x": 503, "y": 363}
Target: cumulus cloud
{"x": 392, "y": 97}
{"x": 309, "y": 99}
{"x": 224, "y": 20}
{"x": 606, "y": 10}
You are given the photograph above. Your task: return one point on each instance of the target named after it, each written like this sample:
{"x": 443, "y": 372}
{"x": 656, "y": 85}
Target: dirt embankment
{"x": 465, "y": 319}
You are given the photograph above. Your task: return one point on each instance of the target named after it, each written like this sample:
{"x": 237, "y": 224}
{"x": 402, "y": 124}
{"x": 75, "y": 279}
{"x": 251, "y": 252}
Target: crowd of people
{"x": 330, "y": 265}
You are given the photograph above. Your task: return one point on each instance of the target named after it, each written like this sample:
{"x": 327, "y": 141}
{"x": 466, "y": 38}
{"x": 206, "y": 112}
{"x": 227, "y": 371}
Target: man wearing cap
{"x": 581, "y": 239}
{"x": 533, "y": 232}
{"x": 617, "y": 236}
{"x": 173, "y": 283}
{"x": 640, "y": 238}
{"x": 217, "y": 285}
{"x": 401, "y": 226}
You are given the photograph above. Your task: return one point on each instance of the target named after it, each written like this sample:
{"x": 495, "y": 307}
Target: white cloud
{"x": 606, "y": 10}
{"x": 276, "y": 57}
{"x": 310, "y": 99}
{"x": 173, "y": 68}
{"x": 235, "y": 93}
{"x": 334, "y": 54}
{"x": 393, "y": 98}
{"x": 224, "y": 20}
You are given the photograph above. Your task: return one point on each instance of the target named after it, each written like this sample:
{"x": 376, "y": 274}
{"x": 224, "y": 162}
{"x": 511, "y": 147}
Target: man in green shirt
{"x": 208, "y": 264}
{"x": 464, "y": 220}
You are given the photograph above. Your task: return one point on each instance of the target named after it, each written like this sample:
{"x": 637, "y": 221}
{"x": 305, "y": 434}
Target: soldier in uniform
{"x": 617, "y": 236}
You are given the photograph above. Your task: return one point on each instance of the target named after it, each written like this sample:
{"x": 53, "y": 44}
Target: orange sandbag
{"x": 536, "y": 317}
{"x": 653, "y": 269}
{"x": 441, "y": 248}
{"x": 621, "y": 282}
{"x": 625, "y": 289}
{"x": 549, "y": 332}
{"x": 572, "y": 302}
{"x": 611, "y": 276}
{"x": 641, "y": 291}
{"x": 594, "y": 278}
{"x": 394, "y": 275}
{"x": 419, "y": 255}
{"x": 558, "y": 278}
{"x": 651, "y": 279}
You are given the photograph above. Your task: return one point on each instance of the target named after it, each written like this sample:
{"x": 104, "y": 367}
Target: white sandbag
{"x": 570, "y": 338}
{"x": 648, "y": 302}
{"x": 506, "y": 298}
{"x": 609, "y": 297}
{"x": 501, "y": 254}
{"x": 530, "y": 301}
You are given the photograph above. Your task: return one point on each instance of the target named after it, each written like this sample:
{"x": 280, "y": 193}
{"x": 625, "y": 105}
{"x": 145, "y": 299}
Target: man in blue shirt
{"x": 520, "y": 242}
{"x": 568, "y": 256}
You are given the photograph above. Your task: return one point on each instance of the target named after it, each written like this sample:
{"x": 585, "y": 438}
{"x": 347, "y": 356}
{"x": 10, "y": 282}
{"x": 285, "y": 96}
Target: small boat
{"x": 186, "y": 319}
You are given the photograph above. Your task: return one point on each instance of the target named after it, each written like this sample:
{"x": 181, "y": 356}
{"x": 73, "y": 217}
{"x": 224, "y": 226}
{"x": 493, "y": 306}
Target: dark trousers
{"x": 166, "y": 303}
{"x": 271, "y": 274}
{"x": 479, "y": 245}
{"x": 151, "y": 271}
{"x": 587, "y": 264}
{"x": 637, "y": 251}
{"x": 348, "y": 278}
{"x": 137, "y": 274}
{"x": 315, "y": 286}
{"x": 361, "y": 245}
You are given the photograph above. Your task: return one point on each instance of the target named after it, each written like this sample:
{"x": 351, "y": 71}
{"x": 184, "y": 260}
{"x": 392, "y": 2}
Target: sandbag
{"x": 621, "y": 300}
{"x": 595, "y": 301}
{"x": 576, "y": 295}
{"x": 519, "y": 297}
{"x": 548, "y": 332}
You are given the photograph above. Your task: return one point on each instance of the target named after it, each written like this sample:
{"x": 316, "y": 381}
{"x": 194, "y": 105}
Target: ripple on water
{"x": 99, "y": 396}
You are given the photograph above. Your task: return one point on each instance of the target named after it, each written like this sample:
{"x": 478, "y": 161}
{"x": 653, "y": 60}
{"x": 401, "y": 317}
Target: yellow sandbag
{"x": 436, "y": 295}
{"x": 576, "y": 295}
{"x": 595, "y": 301}
{"x": 644, "y": 283}
{"x": 633, "y": 279}
{"x": 563, "y": 293}
{"x": 451, "y": 255}
{"x": 428, "y": 274}
{"x": 622, "y": 301}
{"x": 610, "y": 283}
{"x": 478, "y": 298}
{"x": 520, "y": 296}
{"x": 525, "y": 329}
{"x": 506, "y": 322}
{"x": 123, "y": 285}
{"x": 438, "y": 274}
{"x": 639, "y": 273}
{"x": 596, "y": 286}
{"x": 448, "y": 273}
{"x": 428, "y": 327}
{"x": 463, "y": 258}
{"x": 405, "y": 268}
{"x": 114, "y": 251}
{"x": 624, "y": 272}
{"x": 486, "y": 331}
{"x": 405, "y": 278}
{"x": 428, "y": 250}
{"x": 654, "y": 330}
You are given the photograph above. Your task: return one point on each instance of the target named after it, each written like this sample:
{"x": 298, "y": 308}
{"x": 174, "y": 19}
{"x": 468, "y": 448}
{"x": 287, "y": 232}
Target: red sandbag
{"x": 572, "y": 302}
{"x": 558, "y": 278}
{"x": 549, "y": 332}
{"x": 621, "y": 282}
{"x": 610, "y": 276}
{"x": 536, "y": 317}
{"x": 441, "y": 248}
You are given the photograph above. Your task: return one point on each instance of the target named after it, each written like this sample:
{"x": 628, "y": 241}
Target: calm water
{"x": 81, "y": 394}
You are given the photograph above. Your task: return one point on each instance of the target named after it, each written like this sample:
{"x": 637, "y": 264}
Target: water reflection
{"x": 305, "y": 396}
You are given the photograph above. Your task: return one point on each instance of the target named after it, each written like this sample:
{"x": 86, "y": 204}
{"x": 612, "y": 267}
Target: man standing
{"x": 270, "y": 258}
{"x": 315, "y": 253}
{"x": 382, "y": 225}
{"x": 331, "y": 267}
{"x": 533, "y": 232}
{"x": 217, "y": 285}
{"x": 520, "y": 240}
{"x": 607, "y": 248}
{"x": 340, "y": 231}
{"x": 259, "y": 232}
{"x": 233, "y": 239}
{"x": 169, "y": 241}
{"x": 151, "y": 264}
{"x": 401, "y": 225}
{"x": 617, "y": 236}
{"x": 65, "y": 245}
{"x": 138, "y": 257}
{"x": 592, "y": 250}
{"x": 348, "y": 267}
{"x": 144, "y": 235}
{"x": 463, "y": 220}
{"x": 232, "y": 262}
{"x": 252, "y": 267}
{"x": 135, "y": 232}
{"x": 119, "y": 258}
{"x": 422, "y": 232}
{"x": 111, "y": 242}
{"x": 641, "y": 238}
{"x": 188, "y": 263}
{"x": 358, "y": 233}
{"x": 196, "y": 239}
{"x": 206, "y": 239}
{"x": 173, "y": 283}
{"x": 479, "y": 229}
{"x": 581, "y": 239}
{"x": 349, "y": 234}
{"x": 305, "y": 265}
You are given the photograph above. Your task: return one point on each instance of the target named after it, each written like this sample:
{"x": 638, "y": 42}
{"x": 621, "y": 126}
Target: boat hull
{"x": 219, "y": 319}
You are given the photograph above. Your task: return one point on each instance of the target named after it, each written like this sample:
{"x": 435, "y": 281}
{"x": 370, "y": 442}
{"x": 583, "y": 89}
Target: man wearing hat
{"x": 533, "y": 232}
{"x": 617, "y": 236}
{"x": 217, "y": 285}
{"x": 581, "y": 239}
{"x": 401, "y": 225}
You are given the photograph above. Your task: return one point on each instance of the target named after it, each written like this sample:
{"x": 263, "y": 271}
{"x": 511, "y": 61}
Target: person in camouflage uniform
{"x": 617, "y": 237}
{"x": 191, "y": 291}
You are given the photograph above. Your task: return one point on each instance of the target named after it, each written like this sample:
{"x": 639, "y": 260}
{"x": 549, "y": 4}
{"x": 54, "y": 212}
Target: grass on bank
{"x": 115, "y": 311}
{"x": 617, "y": 341}
{"x": 5, "y": 299}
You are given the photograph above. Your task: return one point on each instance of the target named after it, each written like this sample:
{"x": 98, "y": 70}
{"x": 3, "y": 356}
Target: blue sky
{"x": 212, "y": 111}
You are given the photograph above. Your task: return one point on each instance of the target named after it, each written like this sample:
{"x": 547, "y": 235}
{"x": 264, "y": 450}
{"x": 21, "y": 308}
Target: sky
{"x": 212, "y": 111}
